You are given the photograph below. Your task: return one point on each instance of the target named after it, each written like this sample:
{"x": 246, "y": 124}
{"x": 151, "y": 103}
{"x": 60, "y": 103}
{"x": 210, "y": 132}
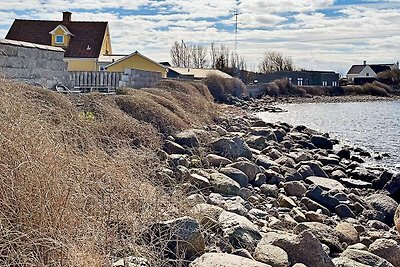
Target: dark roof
{"x": 356, "y": 69}
{"x": 84, "y": 34}
{"x": 377, "y": 68}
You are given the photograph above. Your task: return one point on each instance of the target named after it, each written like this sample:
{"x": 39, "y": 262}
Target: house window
{"x": 334, "y": 83}
{"x": 367, "y": 74}
{"x": 290, "y": 80}
{"x": 324, "y": 83}
{"x": 59, "y": 39}
{"x": 299, "y": 81}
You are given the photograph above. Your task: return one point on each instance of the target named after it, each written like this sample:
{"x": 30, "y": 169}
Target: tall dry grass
{"x": 77, "y": 176}
{"x": 221, "y": 88}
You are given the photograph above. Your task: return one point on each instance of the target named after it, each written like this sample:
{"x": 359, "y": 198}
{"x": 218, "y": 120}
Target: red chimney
{"x": 67, "y": 17}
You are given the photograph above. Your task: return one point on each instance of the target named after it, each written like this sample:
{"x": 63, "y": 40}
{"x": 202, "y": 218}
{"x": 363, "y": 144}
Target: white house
{"x": 368, "y": 71}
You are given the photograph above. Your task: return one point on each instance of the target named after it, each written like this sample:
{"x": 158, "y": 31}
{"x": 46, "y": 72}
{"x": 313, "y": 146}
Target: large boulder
{"x": 321, "y": 142}
{"x": 217, "y": 161}
{"x": 248, "y": 167}
{"x": 273, "y": 255}
{"x": 173, "y": 148}
{"x": 182, "y": 236}
{"x": 187, "y": 138}
{"x": 322, "y": 197}
{"x": 325, "y": 234}
{"x": 265, "y": 162}
{"x": 232, "y": 147}
{"x": 387, "y": 249}
{"x": 347, "y": 233}
{"x": 225, "y": 260}
{"x": 236, "y": 175}
{"x": 325, "y": 183}
{"x": 393, "y": 186}
{"x": 366, "y": 258}
{"x": 344, "y": 262}
{"x": 304, "y": 248}
{"x": 241, "y": 232}
{"x": 220, "y": 183}
{"x": 384, "y": 204}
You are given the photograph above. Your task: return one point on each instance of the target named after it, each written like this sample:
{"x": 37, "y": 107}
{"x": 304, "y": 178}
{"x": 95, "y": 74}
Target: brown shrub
{"x": 221, "y": 88}
{"x": 376, "y": 89}
{"x": 78, "y": 184}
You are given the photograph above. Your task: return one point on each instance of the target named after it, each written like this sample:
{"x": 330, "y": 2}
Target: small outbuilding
{"x": 136, "y": 61}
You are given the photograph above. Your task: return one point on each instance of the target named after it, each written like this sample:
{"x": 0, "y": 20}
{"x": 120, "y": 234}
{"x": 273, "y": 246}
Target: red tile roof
{"x": 84, "y": 34}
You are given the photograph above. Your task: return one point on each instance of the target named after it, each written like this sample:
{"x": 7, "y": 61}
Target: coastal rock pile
{"x": 264, "y": 194}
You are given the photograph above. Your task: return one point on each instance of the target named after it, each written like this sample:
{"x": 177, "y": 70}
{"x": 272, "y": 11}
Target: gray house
{"x": 300, "y": 78}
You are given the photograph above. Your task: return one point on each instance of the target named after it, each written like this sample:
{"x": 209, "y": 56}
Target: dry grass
{"x": 78, "y": 185}
{"x": 222, "y": 88}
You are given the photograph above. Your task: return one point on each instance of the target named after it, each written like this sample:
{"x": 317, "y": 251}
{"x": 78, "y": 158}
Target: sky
{"x": 316, "y": 34}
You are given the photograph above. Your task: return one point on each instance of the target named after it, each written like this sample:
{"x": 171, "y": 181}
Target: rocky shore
{"x": 263, "y": 194}
{"x": 270, "y": 104}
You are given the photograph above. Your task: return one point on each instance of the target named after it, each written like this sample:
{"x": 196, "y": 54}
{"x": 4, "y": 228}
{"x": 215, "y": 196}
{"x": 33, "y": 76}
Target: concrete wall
{"x": 139, "y": 78}
{"x": 33, "y": 63}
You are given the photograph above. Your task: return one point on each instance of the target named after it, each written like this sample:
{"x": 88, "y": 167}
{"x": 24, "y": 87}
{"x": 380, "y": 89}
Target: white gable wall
{"x": 367, "y": 72}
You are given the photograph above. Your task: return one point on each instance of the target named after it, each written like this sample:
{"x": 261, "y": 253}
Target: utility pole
{"x": 236, "y": 14}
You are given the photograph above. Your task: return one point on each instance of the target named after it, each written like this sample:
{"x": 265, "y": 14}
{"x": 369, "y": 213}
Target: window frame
{"x": 300, "y": 81}
{"x": 62, "y": 38}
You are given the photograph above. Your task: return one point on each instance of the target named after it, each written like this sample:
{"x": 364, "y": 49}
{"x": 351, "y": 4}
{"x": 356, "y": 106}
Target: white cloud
{"x": 298, "y": 28}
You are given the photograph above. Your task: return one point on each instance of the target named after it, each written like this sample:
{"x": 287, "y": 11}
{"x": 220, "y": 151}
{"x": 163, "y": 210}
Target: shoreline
{"x": 335, "y": 99}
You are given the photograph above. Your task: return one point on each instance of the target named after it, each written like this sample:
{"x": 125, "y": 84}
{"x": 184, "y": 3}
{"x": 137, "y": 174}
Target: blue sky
{"x": 316, "y": 34}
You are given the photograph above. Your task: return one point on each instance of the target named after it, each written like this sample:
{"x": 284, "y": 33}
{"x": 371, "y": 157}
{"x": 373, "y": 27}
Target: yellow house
{"x": 83, "y": 41}
{"x": 139, "y": 62}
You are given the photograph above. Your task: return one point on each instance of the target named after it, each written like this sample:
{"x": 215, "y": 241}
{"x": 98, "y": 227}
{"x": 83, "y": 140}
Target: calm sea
{"x": 371, "y": 125}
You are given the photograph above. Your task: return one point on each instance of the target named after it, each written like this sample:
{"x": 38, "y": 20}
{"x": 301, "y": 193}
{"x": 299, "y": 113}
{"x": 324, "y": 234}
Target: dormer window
{"x": 59, "y": 39}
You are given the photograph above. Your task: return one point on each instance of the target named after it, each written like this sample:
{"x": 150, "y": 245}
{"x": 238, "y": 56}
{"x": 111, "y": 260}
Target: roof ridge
{"x": 60, "y": 21}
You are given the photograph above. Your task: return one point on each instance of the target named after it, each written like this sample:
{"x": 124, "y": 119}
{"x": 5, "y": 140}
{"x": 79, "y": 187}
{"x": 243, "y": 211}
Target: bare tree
{"x": 199, "y": 56}
{"x": 180, "y": 54}
{"x": 274, "y": 61}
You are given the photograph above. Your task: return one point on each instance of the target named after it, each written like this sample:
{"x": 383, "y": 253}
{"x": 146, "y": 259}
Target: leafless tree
{"x": 180, "y": 54}
{"x": 198, "y": 56}
{"x": 274, "y": 61}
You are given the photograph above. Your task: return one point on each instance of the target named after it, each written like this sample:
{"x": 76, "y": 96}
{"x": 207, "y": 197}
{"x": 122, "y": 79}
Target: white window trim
{"x": 300, "y": 81}
{"x": 62, "y": 36}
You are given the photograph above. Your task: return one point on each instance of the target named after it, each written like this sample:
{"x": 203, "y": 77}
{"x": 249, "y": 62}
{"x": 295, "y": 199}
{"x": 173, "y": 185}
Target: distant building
{"x": 301, "y": 78}
{"x": 136, "y": 61}
{"x": 367, "y": 73}
{"x": 194, "y": 74}
{"x": 83, "y": 41}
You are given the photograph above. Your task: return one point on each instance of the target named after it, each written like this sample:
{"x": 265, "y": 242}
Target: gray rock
{"x": 378, "y": 225}
{"x": 343, "y": 211}
{"x": 325, "y": 183}
{"x": 187, "y": 138}
{"x": 353, "y": 183}
{"x": 295, "y": 188}
{"x": 322, "y": 197}
{"x": 232, "y": 147}
{"x": 286, "y": 202}
{"x": 195, "y": 199}
{"x": 269, "y": 190}
{"x": 199, "y": 181}
{"x": 347, "y": 233}
{"x": 344, "y": 262}
{"x": 323, "y": 232}
{"x": 387, "y": 249}
{"x": 397, "y": 219}
{"x": 305, "y": 171}
{"x": 321, "y": 142}
{"x": 173, "y": 148}
{"x": 243, "y": 253}
{"x": 366, "y": 258}
{"x": 267, "y": 132}
{"x": 221, "y": 183}
{"x": 248, "y": 167}
{"x": 257, "y": 142}
{"x": 241, "y": 232}
{"x": 184, "y": 235}
{"x": 225, "y": 260}
{"x": 236, "y": 175}
{"x": 260, "y": 179}
{"x": 338, "y": 174}
{"x": 265, "y": 162}
{"x": 314, "y": 206}
{"x": 217, "y": 161}
{"x": 273, "y": 255}
{"x": 393, "y": 186}
{"x": 384, "y": 204}
{"x": 304, "y": 248}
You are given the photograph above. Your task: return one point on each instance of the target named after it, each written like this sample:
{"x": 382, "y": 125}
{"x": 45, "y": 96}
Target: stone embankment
{"x": 277, "y": 195}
